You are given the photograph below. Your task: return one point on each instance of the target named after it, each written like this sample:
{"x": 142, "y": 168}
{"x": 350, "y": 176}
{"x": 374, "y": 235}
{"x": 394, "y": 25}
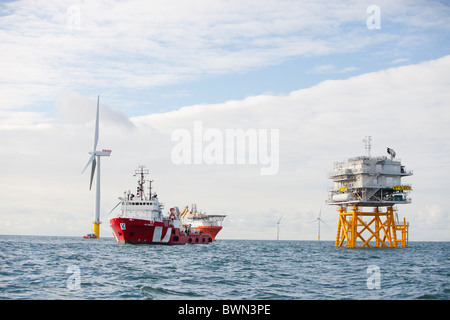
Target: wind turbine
{"x": 319, "y": 220}
{"x": 278, "y": 228}
{"x": 95, "y": 160}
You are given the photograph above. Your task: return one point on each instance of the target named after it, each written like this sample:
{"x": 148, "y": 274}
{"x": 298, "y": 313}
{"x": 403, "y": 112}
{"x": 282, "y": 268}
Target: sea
{"x": 72, "y": 268}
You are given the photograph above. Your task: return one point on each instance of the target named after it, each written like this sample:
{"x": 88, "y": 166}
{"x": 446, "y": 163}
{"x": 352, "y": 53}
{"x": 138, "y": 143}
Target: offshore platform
{"x": 367, "y": 189}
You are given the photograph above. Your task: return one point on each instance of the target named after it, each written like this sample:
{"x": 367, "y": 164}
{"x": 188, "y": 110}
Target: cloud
{"x": 20, "y": 120}
{"x": 51, "y": 47}
{"x": 329, "y": 68}
{"x": 57, "y": 55}
{"x": 76, "y": 108}
{"x": 400, "y": 60}
{"x": 405, "y": 108}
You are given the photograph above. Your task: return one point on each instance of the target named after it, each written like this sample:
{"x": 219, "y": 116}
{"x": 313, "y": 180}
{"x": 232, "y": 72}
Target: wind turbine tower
{"x": 278, "y": 229}
{"x": 319, "y": 220}
{"x": 95, "y": 160}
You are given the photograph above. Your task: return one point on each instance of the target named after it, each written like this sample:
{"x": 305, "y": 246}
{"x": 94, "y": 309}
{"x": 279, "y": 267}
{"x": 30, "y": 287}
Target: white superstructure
{"x": 198, "y": 219}
{"x": 369, "y": 181}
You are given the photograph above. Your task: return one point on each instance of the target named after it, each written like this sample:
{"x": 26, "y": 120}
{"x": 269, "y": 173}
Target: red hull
{"x": 137, "y": 231}
{"x": 212, "y": 230}
{"x": 90, "y": 236}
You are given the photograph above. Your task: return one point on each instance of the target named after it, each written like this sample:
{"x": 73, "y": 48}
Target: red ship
{"x": 208, "y": 223}
{"x": 141, "y": 220}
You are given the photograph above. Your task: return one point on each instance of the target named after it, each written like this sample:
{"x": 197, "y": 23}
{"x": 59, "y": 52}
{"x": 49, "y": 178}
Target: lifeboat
{"x": 90, "y": 236}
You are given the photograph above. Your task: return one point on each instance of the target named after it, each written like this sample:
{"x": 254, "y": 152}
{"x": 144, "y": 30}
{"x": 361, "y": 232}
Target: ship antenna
{"x": 150, "y": 189}
{"x": 142, "y": 171}
{"x": 368, "y": 144}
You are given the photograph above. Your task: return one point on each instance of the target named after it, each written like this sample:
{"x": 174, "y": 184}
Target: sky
{"x": 310, "y": 79}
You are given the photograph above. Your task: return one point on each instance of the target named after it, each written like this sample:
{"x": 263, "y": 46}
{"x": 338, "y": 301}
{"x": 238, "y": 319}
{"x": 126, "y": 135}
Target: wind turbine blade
{"x": 324, "y": 222}
{"x": 89, "y": 162}
{"x": 320, "y": 212}
{"x": 114, "y": 207}
{"x": 96, "y": 124}
{"x": 94, "y": 164}
{"x": 279, "y": 220}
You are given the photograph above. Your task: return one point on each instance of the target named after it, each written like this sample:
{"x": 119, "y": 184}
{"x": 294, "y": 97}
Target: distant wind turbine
{"x": 319, "y": 220}
{"x": 278, "y": 228}
{"x": 95, "y": 160}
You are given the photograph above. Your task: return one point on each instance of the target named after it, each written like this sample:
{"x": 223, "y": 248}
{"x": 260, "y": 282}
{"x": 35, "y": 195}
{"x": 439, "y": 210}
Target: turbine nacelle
{"x": 104, "y": 152}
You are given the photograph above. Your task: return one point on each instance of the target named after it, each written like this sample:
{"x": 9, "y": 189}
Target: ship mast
{"x": 140, "y": 189}
{"x": 150, "y": 189}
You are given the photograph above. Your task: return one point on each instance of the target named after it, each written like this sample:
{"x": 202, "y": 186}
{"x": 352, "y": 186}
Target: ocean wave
{"x": 43, "y": 268}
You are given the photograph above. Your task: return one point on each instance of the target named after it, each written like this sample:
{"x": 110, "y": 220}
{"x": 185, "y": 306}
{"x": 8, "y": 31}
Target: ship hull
{"x": 138, "y": 231}
{"x": 212, "y": 230}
